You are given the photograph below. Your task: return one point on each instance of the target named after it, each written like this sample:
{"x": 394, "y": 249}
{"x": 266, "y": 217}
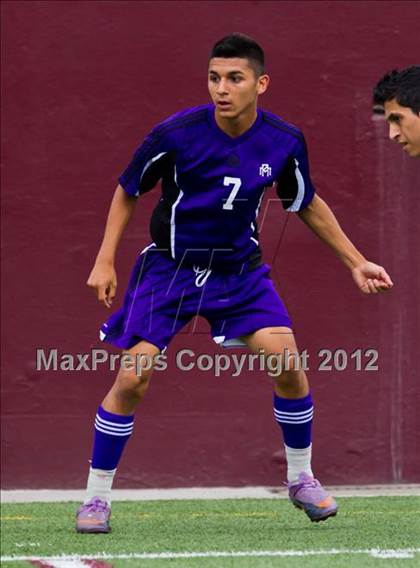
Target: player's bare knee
{"x": 132, "y": 383}
{"x": 284, "y": 364}
{"x": 290, "y": 379}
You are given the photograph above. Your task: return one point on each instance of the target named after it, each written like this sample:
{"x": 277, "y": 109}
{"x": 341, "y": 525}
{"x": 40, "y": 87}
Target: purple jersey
{"x": 213, "y": 185}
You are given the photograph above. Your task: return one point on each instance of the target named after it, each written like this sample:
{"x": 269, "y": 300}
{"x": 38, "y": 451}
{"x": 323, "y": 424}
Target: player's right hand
{"x": 103, "y": 280}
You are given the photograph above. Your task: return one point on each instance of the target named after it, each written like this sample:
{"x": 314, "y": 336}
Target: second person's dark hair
{"x": 404, "y": 86}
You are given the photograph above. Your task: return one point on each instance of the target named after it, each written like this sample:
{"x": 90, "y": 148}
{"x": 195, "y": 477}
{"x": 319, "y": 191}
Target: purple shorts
{"x": 162, "y": 297}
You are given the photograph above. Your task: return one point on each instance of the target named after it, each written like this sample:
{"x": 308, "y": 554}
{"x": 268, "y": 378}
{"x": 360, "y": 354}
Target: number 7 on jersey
{"x": 236, "y": 182}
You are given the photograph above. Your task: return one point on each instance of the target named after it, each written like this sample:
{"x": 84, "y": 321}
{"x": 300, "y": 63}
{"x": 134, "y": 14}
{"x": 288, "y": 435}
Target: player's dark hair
{"x": 240, "y": 45}
{"x": 404, "y": 86}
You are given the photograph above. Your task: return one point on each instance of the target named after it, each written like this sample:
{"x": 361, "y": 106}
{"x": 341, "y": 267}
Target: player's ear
{"x": 263, "y": 82}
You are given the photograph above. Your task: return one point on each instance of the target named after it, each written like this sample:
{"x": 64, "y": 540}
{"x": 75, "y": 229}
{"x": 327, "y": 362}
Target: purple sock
{"x": 294, "y": 416}
{"x": 111, "y": 434}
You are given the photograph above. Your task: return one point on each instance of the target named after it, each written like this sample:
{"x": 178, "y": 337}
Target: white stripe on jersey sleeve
{"x": 295, "y": 206}
{"x": 147, "y": 166}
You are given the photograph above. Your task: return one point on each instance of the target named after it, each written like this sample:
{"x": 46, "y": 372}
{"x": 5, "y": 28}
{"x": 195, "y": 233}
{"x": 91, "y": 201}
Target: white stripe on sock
{"x": 282, "y": 421}
{"x": 110, "y": 432}
{"x": 117, "y": 424}
{"x": 293, "y": 418}
{"x": 110, "y": 429}
{"x": 294, "y": 413}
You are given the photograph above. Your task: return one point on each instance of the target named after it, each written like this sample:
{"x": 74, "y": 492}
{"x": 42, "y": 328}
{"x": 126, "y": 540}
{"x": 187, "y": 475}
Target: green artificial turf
{"x": 47, "y": 529}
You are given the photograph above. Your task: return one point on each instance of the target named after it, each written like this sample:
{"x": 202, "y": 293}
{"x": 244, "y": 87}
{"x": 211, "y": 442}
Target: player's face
{"x": 234, "y": 87}
{"x": 404, "y": 127}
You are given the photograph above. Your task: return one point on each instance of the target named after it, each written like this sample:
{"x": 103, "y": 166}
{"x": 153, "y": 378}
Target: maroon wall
{"x": 83, "y": 82}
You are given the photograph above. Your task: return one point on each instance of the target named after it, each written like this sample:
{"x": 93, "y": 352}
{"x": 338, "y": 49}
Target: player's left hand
{"x": 371, "y": 278}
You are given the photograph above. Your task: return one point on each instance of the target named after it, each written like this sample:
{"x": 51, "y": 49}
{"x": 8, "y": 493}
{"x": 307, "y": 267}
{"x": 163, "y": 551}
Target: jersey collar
{"x": 226, "y": 137}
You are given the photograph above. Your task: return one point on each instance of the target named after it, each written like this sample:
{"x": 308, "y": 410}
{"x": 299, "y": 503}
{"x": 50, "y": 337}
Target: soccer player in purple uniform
{"x": 215, "y": 162}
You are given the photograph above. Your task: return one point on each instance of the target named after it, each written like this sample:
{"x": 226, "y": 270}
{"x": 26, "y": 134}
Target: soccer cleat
{"x": 93, "y": 517}
{"x": 308, "y": 494}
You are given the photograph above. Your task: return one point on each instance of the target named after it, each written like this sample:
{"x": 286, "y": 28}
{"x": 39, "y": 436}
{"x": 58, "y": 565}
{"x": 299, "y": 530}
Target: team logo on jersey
{"x": 265, "y": 170}
{"x": 203, "y": 274}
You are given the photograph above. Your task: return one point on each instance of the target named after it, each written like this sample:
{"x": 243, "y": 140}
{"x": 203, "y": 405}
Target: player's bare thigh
{"x": 132, "y": 380}
{"x": 292, "y": 381}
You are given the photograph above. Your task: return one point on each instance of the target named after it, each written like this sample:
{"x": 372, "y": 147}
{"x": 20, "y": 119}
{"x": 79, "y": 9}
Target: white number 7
{"x": 236, "y": 182}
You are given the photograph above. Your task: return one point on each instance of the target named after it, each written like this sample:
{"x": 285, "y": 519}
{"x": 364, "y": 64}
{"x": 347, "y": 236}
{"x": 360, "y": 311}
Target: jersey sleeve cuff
{"x": 128, "y": 187}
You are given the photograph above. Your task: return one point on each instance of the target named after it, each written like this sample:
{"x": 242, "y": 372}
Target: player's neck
{"x": 235, "y": 127}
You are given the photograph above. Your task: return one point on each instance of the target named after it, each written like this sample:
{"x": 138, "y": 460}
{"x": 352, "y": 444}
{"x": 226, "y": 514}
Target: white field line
{"x": 52, "y": 495}
{"x": 71, "y": 563}
{"x": 59, "y": 560}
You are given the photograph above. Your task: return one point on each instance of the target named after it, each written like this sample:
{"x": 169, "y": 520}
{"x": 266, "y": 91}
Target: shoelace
{"x": 309, "y": 483}
{"x": 96, "y": 505}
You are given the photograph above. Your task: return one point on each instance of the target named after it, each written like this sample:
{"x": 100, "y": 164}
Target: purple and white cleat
{"x": 308, "y": 494}
{"x": 93, "y": 517}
